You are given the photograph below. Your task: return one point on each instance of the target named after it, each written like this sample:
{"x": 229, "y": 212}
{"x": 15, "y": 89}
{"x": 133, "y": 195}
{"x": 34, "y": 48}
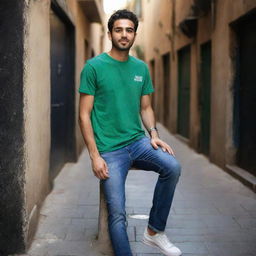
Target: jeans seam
{"x": 131, "y": 161}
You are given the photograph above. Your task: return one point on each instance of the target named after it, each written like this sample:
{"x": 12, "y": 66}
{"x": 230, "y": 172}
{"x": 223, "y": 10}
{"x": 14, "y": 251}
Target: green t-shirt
{"x": 117, "y": 87}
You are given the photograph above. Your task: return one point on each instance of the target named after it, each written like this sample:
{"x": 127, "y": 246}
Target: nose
{"x": 124, "y": 33}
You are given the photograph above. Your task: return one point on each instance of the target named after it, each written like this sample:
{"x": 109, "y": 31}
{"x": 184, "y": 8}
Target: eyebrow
{"x": 124, "y": 28}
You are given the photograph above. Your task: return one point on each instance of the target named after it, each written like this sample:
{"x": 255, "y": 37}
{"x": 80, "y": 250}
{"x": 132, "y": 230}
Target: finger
{"x": 154, "y": 145}
{"x": 106, "y": 168}
{"x": 105, "y": 174}
{"x": 168, "y": 149}
{"x": 97, "y": 174}
{"x": 102, "y": 173}
{"x": 171, "y": 151}
{"x": 164, "y": 146}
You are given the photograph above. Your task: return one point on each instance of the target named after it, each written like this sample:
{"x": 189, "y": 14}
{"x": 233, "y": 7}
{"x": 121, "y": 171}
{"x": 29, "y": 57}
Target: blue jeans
{"x": 139, "y": 154}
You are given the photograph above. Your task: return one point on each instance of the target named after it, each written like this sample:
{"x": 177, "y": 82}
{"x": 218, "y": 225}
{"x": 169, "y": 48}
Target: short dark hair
{"x": 123, "y": 14}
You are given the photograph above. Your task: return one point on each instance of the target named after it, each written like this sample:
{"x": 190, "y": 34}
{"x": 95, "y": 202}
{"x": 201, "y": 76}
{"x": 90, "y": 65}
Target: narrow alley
{"x": 213, "y": 214}
{"x": 198, "y": 59}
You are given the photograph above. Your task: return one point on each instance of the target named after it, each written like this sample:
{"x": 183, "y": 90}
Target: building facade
{"x": 44, "y": 45}
{"x": 200, "y": 54}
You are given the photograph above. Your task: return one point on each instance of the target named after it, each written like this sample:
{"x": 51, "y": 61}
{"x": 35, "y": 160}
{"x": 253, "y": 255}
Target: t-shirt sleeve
{"x": 147, "y": 86}
{"x": 88, "y": 80}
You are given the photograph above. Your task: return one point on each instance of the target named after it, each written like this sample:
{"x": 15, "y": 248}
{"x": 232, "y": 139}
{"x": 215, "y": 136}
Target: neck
{"x": 119, "y": 55}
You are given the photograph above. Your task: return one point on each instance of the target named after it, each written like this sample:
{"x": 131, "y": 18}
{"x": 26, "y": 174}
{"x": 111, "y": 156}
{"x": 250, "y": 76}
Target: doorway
{"x": 205, "y": 98}
{"x": 184, "y": 92}
{"x": 152, "y": 72}
{"x": 167, "y": 85}
{"x": 245, "y": 94}
{"x": 86, "y": 50}
{"x": 62, "y": 90}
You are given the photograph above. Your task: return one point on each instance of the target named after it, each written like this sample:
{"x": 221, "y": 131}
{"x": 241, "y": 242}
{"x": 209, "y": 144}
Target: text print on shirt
{"x": 138, "y": 78}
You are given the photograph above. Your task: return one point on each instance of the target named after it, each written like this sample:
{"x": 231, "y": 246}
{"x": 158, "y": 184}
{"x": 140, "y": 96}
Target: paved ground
{"x": 213, "y": 214}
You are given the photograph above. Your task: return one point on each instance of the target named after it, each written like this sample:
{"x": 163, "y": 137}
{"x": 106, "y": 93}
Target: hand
{"x": 155, "y": 142}
{"x": 100, "y": 168}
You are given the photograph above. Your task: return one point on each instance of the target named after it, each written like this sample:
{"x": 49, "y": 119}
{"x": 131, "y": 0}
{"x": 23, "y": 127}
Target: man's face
{"x": 122, "y": 35}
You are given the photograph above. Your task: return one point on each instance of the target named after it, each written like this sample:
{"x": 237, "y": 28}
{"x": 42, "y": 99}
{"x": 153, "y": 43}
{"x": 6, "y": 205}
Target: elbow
{"x": 82, "y": 117}
{"x": 79, "y": 120}
{"x": 146, "y": 109}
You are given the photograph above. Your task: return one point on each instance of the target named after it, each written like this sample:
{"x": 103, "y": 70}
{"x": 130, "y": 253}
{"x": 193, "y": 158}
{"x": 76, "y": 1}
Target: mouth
{"x": 123, "y": 41}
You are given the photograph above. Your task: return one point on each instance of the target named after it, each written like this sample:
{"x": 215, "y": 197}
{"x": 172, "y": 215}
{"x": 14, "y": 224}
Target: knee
{"x": 177, "y": 167}
{"x": 173, "y": 169}
{"x": 117, "y": 216}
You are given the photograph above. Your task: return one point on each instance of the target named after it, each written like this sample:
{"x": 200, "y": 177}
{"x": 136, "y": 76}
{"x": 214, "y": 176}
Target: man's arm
{"x": 148, "y": 119}
{"x": 99, "y": 165}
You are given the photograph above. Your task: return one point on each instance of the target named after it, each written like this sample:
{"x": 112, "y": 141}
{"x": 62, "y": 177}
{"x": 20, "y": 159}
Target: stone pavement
{"x": 213, "y": 214}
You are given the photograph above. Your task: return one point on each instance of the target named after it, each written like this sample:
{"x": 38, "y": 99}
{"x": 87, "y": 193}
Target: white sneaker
{"x": 161, "y": 241}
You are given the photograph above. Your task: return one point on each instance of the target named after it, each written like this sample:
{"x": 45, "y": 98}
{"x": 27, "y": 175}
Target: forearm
{"x": 88, "y": 135}
{"x": 148, "y": 119}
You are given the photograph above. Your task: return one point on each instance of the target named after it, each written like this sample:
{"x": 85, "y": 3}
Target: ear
{"x": 109, "y": 36}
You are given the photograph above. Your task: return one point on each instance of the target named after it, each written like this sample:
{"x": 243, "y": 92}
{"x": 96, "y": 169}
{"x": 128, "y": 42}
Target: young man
{"x": 114, "y": 93}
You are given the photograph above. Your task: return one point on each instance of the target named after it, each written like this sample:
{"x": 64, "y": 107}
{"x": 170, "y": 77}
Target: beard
{"x": 120, "y": 47}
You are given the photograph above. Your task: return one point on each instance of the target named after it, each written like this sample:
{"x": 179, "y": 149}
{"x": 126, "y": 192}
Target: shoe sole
{"x": 146, "y": 242}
